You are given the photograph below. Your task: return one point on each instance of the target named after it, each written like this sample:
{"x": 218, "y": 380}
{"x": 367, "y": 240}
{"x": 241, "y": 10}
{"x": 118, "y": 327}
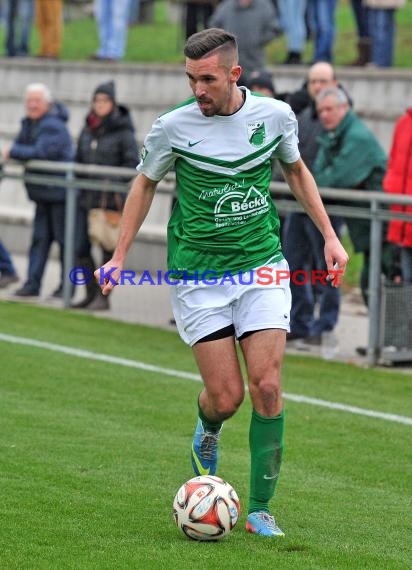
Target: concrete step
{"x": 379, "y": 95}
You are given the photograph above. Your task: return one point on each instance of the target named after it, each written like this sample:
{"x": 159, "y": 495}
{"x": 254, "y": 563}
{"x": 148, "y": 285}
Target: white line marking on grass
{"x": 98, "y": 356}
{"x": 195, "y": 377}
{"x": 349, "y": 409}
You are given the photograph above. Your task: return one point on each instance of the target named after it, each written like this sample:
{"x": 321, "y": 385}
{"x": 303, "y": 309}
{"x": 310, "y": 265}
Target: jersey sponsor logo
{"x": 256, "y": 133}
{"x": 249, "y": 206}
{"x": 222, "y": 190}
{"x": 236, "y": 208}
{"x": 190, "y": 143}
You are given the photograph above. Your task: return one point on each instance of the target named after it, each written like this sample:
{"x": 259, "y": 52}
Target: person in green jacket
{"x": 350, "y": 156}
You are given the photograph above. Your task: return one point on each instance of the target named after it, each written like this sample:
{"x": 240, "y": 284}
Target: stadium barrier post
{"x": 70, "y": 218}
{"x": 374, "y": 284}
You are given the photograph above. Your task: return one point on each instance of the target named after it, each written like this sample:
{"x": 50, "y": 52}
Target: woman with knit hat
{"x": 108, "y": 139}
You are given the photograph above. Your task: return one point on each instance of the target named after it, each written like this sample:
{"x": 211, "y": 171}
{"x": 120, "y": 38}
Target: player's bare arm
{"x": 304, "y": 188}
{"x": 135, "y": 211}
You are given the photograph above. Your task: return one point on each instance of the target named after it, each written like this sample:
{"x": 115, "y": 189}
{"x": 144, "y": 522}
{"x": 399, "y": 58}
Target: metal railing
{"x": 378, "y": 212}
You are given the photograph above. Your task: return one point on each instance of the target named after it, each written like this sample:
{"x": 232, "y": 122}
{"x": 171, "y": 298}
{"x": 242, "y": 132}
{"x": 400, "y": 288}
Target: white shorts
{"x": 255, "y": 300}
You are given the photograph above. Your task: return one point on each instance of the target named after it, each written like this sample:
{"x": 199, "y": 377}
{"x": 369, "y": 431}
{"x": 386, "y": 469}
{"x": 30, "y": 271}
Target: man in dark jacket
{"x": 303, "y": 243}
{"x": 43, "y": 136}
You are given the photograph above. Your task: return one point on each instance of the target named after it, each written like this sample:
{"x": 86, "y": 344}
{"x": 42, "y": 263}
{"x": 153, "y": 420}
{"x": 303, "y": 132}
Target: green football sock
{"x": 266, "y": 446}
{"x": 213, "y": 427}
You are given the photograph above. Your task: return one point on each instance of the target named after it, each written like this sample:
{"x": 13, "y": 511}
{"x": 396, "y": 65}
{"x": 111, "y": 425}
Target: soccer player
{"x": 220, "y": 142}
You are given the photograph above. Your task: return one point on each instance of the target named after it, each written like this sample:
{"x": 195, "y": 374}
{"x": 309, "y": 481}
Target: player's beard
{"x": 212, "y": 108}
{"x": 208, "y": 111}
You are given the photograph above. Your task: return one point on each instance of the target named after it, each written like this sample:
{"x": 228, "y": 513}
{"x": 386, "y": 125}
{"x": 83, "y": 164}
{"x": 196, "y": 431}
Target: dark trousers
{"x": 6, "y": 263}
{"x": 361, "y": 14}
{"x": 406, "y": 264}
{"x": 48, "y": 226}
{"x": 303, "y": 246}
{"x": 82, "y": 245}
{"x": 390, "y": 267}
{"x": 197, "y": 15}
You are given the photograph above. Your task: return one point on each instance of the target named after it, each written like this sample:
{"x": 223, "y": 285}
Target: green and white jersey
{"x": 224, "y": 219}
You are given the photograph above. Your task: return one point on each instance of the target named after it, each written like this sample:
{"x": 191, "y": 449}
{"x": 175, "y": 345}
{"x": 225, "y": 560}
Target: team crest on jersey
{"x": 256, "y": 133}
{"x": 143, "y": 153}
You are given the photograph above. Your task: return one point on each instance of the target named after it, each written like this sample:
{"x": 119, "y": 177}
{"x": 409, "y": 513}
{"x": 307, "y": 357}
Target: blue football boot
{"x": 204, "y": 450}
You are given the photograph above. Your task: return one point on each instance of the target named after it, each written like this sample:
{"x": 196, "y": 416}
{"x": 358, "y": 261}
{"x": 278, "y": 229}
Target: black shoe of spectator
{"x": 99, "y": 303}
{"x": 26, "y": 292}
{"x": 58, "y": 294}
{"x": 7, "y": 279}
{"x": 314, "y": 340}
{"x": 84, "y": 303}
{"x": 292, "y": 336}
{"x": 293, "y": 58}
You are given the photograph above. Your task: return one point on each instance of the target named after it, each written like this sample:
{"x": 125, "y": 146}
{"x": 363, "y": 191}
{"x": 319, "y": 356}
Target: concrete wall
{"x": 380, "y": 96}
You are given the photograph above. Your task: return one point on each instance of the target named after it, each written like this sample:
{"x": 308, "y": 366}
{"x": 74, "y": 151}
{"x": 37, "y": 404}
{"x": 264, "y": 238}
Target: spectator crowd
{"x": 112, "y": 19}
{"x": 107, "y": 138}
{"x": 336, "y": 145}
{"x": 255, "y": 23}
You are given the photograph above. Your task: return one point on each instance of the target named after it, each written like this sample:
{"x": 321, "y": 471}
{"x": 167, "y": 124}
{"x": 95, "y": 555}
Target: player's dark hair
{"x": 207, "y": 41}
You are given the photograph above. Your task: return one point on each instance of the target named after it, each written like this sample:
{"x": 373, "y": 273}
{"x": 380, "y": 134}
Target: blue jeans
{"x": 322, "y": 23}
{"x": 6, "y": 263}
{"x": 134, "y": 11}
{"x": 406, "y": 264}
{"x": 382, "y": 32}
{"x": 292, "y": 16}
{"x": 303, "y": 246}
{"x": 48, "y": 226}
{"x": 19, "y": 18}
{"x": 112, "y": 17}
{"x": 361, "y": 14}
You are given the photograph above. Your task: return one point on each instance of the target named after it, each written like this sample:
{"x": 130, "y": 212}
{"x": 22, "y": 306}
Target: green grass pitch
{"x": 92, "y": 454}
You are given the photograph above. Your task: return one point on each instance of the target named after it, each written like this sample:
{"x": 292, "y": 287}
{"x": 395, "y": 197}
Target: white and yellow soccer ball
{"x": 206, "y": 508}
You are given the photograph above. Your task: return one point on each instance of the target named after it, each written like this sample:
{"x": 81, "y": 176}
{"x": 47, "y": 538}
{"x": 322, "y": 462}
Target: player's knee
{"x": 266, "y": 388}
{"x": 269, "y": 387}
{"x": 228, "y": 404}
{"x": 238, "y": 400}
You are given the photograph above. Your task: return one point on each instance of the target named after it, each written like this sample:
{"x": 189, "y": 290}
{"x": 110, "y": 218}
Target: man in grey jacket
{"x": 254, "y": 23}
